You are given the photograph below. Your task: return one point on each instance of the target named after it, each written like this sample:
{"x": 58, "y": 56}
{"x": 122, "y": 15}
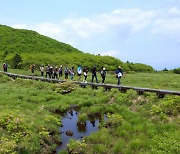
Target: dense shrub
{"x": 177, "y": 71}
{"x": 169, "y": 106}
{"x": 63, "y": 88}
{"x": 13, "y": 123}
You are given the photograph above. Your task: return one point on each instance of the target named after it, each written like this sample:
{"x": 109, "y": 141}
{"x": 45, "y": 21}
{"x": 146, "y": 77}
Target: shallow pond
{"x": 70, "y": 129}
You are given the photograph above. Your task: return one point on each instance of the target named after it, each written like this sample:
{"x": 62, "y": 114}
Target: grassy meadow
{"x": 30, "y": 116}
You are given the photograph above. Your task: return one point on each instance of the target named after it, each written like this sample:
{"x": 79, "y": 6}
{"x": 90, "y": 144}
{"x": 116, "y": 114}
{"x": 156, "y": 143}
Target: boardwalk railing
{"x": 160, "y": 93}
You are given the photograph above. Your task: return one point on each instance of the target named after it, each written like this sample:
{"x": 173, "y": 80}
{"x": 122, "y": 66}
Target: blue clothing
{"x": 119, "y": 73}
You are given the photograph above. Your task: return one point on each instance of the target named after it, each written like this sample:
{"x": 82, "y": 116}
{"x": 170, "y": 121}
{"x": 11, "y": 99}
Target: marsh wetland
{"x": 31, "y": 119}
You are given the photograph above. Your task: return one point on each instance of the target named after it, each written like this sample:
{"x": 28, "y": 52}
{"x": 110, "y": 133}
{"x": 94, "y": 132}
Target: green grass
{"x": 29, "y": 121}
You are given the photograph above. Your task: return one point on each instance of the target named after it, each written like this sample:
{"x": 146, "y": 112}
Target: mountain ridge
{"x": 16, "y": 40}
{"x": 35, "y": 48}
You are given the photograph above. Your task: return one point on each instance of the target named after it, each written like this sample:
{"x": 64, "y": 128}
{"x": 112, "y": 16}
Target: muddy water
{"x": 69, "y": 123}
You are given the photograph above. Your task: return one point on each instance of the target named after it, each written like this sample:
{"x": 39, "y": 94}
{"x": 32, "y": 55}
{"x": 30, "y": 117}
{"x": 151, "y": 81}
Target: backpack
{"x": 119, "y": 74}
{"x": 66, "y": 70}
{"x": 79, "y": 70}
{"x": 103, "y": 72}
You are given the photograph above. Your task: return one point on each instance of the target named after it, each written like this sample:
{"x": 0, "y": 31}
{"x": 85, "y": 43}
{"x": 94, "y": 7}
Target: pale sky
{"x": 144, "y": 31}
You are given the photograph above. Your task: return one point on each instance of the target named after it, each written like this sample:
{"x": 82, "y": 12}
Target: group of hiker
{"x": 57, "y": 73}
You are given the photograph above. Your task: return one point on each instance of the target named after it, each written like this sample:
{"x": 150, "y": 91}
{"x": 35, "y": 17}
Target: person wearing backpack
{"x": 60, "y": 71}
{"x": 66, "y": 72}
{"x": 85, "y": 71}
{"x": 71, "y": 73}
{"x": 42, "y": 70}
{"x": 47, "y": 71}
{"x": 5, "y": 66}
{"x": 32, "y": 68}
{"x": 119, "y": 74}
{"x": 103, "y": 74}
{"x": 94, "y": 74}
{"x": 79, "y": 72}
{"x": 51, "y": 72}
{"x": 55, "y": 76}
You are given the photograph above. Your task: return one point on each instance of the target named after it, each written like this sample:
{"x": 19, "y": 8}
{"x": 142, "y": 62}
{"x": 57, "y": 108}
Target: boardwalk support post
{"x": 140, "y": 92}
{"x": 160, "y": 95}
{"x": 107, "y": 88}
{"x": 83, "y": 86}
{"x": 94, "y": 87}
{"x": 123, "y": 90}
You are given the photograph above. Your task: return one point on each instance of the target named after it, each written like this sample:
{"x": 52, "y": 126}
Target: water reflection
{"x": 70, "y": 129}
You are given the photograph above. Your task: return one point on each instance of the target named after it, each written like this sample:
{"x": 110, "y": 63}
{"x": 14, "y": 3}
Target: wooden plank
{"x": 140, "y": 90}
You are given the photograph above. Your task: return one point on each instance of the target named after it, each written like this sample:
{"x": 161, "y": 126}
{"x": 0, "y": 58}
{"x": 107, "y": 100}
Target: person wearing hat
{"x": 47, "y": 71}
{"x": 5, "y": 67}
{"x": 71, "y": 73}
{"x": 119, "y": 74}
{"x": 51, "y": 72}
{"x": 60, "y": 72}
{"x": 32, "y": 68}
{"x": 85, "y": 74}
{"x": 55, "y": 73}
{"x": 103, "y": 74}
{"x": 42, "y": 70}
{"x": 79, "y": 72}
{"x": 66, "y": 72}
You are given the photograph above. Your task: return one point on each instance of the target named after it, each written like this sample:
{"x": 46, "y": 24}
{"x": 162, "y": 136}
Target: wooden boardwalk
{"x": 160, "y": 93}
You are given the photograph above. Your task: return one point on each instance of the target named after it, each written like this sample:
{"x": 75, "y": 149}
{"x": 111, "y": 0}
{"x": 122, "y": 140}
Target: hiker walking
{"x": 66, "y": 72}
{"x": 71, "y": 73}
{"x": 47, "y": 70}
{"x": 85, "y": 71}
{"x": 51, "y": 72}
{"x": 55, "y": 76}
{"x": 79, "y": 72}
{"x": 94, "y": 74}
{"x": 60, "y": 71}
{"x": 103, "y": 74}
{"x": 32, "y": 68}
{"x": 42, "y": 70}
{"x": 119, "y": 74}
{"x": 5, "y": 66}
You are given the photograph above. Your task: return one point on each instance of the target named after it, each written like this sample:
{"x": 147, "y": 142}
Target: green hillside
{"x": 27, "y": 41}
{"x": 34, "y": 48}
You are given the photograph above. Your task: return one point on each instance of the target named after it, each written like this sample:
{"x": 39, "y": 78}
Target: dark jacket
{"x": 94, "y": 70}
{"x": 119, "y": 71}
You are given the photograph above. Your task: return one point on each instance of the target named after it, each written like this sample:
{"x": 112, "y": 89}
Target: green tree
{"x": 16, "y": 60}
{"x": 177, "y": 70}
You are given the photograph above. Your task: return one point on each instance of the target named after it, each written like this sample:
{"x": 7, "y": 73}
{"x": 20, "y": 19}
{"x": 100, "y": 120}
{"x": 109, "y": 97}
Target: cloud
{"x": 48, "y": 28}
{"x": 167, "y": 23}
{"x": 20, "y": 26}
{"x": 174, "y": 11}
{"x": 113, "y": 53}
{"x": 124, "y": 33}
{"x": 115, "y": 26}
